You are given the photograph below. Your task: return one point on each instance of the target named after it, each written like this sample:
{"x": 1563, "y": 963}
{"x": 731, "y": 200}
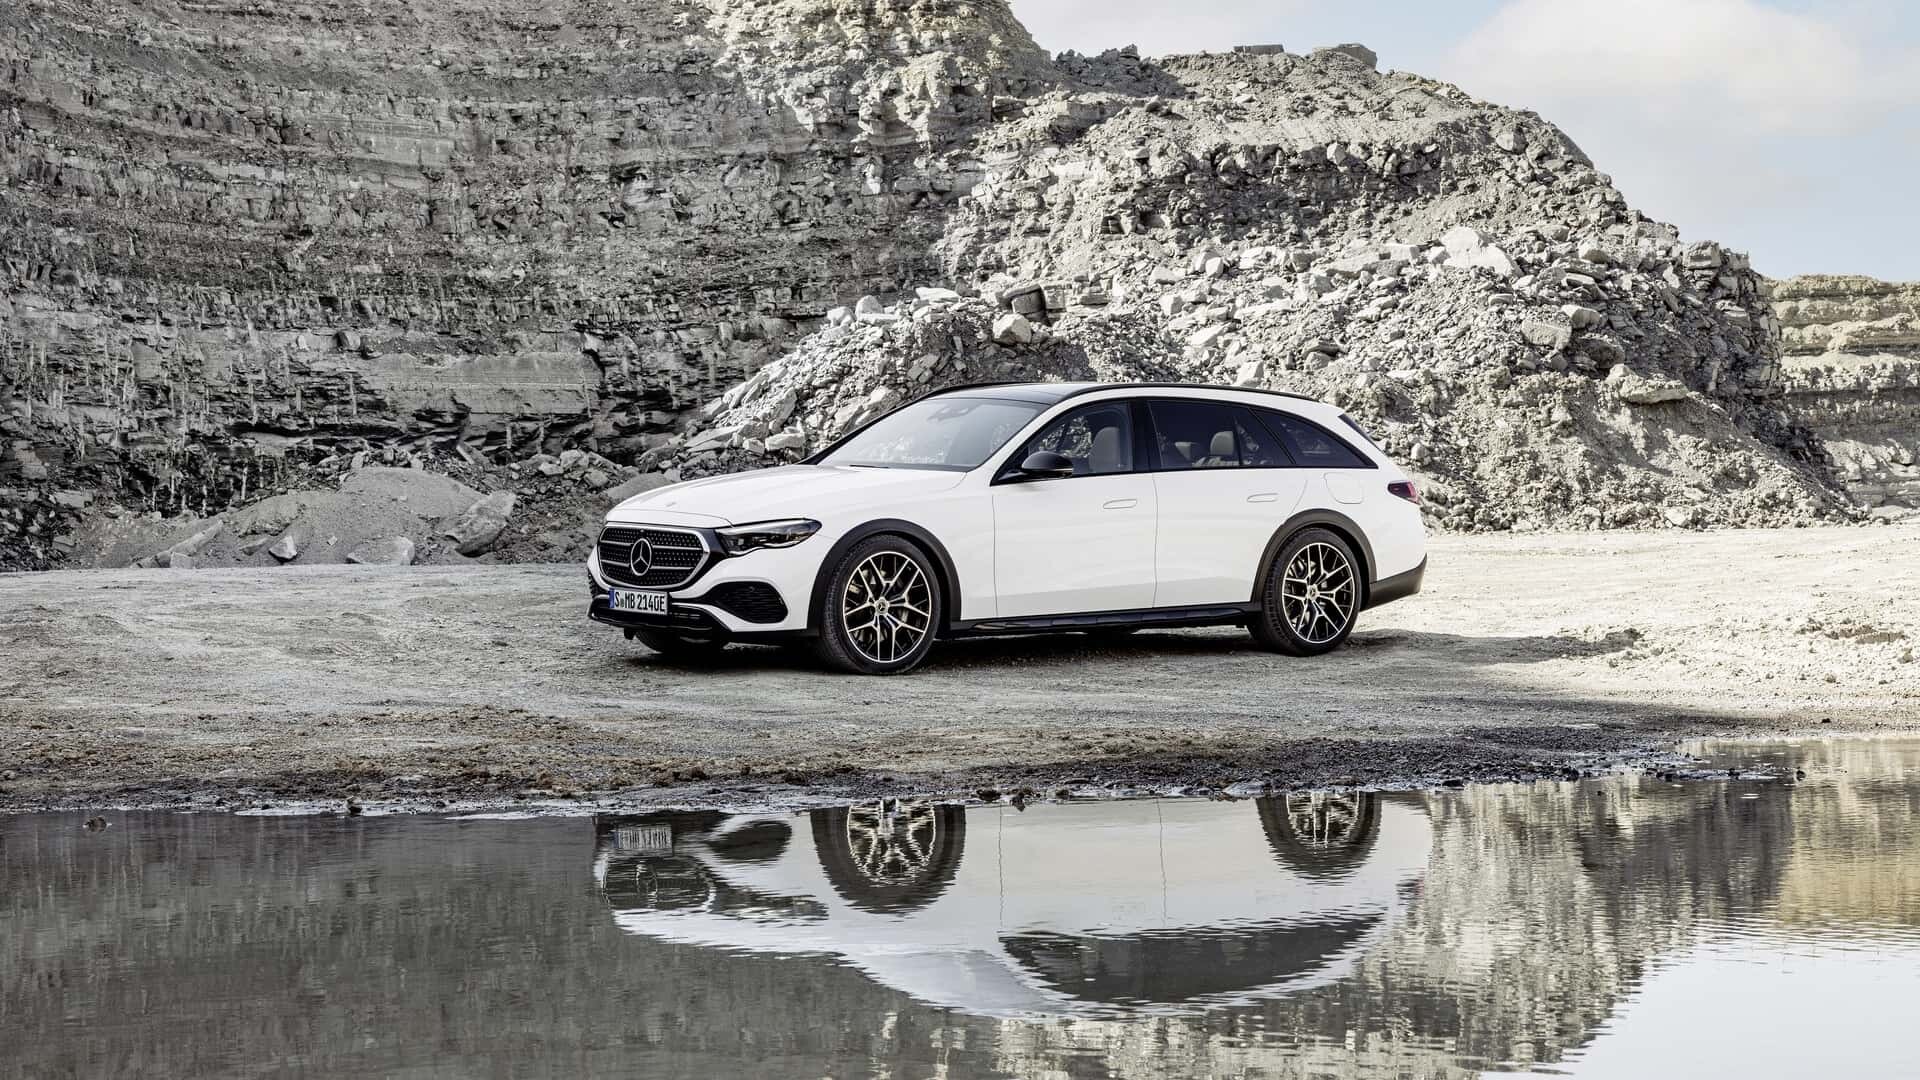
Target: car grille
{"x": 753, "y": 601}
{"x": 678, "y": 556}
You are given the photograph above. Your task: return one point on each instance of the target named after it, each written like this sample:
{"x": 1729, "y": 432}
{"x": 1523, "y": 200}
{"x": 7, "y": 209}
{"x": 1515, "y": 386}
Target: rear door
{"x": 1081, "y": 543}
{"x": 1224, "y": 485}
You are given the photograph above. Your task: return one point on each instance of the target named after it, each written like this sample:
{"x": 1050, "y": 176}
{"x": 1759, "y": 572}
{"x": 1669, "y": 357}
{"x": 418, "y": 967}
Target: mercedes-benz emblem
{"x": 640, "y": 560}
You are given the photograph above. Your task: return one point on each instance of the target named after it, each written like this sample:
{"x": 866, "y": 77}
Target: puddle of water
{"x": 1619, "y": 928}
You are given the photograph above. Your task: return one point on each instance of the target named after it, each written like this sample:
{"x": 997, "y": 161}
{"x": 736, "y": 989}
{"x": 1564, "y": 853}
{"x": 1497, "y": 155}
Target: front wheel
{"x": 880, "y": 609}
{"x": 1311, "y": 597}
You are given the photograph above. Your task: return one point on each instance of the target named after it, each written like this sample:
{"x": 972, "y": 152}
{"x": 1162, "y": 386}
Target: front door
{"x": 1080, "y": 543}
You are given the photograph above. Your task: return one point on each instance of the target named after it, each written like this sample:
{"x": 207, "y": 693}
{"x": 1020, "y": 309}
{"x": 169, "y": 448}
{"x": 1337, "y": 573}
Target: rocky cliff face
{"x": 239, "y": 241}
{"x": 1852, "y": 376}
{"x": 238, "y": 238}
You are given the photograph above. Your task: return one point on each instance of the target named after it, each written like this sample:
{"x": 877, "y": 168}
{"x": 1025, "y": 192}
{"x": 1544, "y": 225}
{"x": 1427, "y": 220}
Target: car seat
{"x": 1108, "y": 454}
{"x": 1221, "y": 452}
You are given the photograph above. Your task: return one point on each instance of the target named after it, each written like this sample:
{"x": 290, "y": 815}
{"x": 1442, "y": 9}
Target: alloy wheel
{"x": 1319, "y": 593}
{"x": 893, "y": 844}
{"x": 1325, "y": 819}
{"x": 888, "y": 607}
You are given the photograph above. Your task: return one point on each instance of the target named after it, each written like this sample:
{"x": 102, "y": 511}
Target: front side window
{"x": 1197, "y": 434}
{"x": 949, "y": 433}
{"x": 1312, "y": 445}
{"x": 1098, "y": 439}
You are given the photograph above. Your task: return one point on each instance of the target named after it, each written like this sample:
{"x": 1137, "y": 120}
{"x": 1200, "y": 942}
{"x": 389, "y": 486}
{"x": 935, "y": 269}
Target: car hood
{"x": 787, "y": 491}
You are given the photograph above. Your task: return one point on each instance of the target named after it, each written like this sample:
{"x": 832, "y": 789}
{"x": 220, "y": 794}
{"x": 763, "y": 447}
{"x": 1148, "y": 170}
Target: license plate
{"x": 643, "y": 839}
{"x": 637, "y": 603}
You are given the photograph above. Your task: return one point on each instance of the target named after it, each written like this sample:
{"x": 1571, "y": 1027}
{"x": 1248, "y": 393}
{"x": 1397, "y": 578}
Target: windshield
{"x": 951, "y": 433}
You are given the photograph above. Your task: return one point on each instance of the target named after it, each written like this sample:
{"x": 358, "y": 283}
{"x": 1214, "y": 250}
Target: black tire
{"x": 860, "y": 575}
{"x": 909, "y": 872}
{"x": 1289, "y": 622}
{"x": 1324, "y": 836}
{"x": 679, "y": 646}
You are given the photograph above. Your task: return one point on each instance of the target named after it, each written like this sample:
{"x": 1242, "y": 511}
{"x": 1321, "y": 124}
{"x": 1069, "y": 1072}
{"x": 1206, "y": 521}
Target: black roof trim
{"x": 1031, "y": 392}
{"x": 1046, "y": 391}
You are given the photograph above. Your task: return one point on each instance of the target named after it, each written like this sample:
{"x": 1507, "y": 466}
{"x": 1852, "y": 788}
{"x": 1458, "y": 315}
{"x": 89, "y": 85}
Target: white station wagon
{"x": 1017, "y": 509}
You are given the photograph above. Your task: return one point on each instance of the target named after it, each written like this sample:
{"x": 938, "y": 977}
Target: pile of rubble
{"x": 1456, "y": 276}
{"x": 862, "y": 202}
{"x": 870, "y": 359}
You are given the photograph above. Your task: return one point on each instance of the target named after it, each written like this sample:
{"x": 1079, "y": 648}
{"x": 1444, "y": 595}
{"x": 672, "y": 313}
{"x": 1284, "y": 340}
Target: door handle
{"x": 1121, "y": 504}
{"x": 1265, "y": 496}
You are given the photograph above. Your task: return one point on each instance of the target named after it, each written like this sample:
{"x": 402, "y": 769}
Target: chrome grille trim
{"x": 679, "y": 556}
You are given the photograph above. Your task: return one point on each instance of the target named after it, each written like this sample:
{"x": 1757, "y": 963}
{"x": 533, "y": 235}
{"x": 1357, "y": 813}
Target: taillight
{"x": 1405, "y": 490}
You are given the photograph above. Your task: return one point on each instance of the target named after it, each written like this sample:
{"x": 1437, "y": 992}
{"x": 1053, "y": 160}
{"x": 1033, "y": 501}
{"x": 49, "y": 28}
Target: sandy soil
{"x": 1526, "y": 656}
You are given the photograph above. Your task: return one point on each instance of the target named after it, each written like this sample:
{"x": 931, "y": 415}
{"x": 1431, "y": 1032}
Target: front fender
{"x": 942, "y": 565}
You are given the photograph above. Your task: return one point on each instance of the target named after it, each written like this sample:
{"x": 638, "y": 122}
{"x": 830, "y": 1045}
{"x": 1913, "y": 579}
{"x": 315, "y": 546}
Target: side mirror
{"x": 1046, "y": 465}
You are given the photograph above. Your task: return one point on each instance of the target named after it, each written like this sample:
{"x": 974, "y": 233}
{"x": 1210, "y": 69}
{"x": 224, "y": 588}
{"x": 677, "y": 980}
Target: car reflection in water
{"x": 1066, "y": 909}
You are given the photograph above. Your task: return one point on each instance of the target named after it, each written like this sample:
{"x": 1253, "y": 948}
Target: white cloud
{"x": 1680, "y": 63}
{"x": 1769, "y": 129}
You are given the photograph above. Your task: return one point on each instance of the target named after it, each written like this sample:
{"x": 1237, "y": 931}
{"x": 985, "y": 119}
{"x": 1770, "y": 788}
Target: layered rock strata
{"x": 1852, "y": 376}
{"x": 239, "y": 237}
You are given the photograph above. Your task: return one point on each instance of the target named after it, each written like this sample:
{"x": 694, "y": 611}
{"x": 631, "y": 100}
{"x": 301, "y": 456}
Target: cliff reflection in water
{"x": 1425, "y": 935}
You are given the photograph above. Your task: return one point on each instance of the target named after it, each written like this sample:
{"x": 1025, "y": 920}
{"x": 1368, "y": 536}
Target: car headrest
{"x": 1223, "y": 445}
{"x": 1104, "y": 457}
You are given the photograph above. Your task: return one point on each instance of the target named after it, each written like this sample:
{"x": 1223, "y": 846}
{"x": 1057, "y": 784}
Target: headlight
{"x": 741, "y": 539}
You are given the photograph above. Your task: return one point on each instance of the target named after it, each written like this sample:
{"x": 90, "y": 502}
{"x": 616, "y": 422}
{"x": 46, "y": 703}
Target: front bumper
{"x": 764, "y": 592}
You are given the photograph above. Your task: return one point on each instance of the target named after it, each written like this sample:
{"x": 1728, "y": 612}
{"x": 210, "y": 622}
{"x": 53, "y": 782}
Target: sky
{"x": 1786, "y": 128}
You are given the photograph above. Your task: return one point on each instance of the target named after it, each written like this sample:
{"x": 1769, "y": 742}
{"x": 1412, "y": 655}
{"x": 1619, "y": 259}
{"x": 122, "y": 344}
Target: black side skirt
{"x": 1199, "y": 615}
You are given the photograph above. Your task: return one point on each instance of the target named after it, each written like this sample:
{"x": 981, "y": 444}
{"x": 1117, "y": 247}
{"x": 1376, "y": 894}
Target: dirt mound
{"x": 1456, "y": 275}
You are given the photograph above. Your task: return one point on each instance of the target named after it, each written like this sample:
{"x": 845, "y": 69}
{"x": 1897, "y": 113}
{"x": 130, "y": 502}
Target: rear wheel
{"x": 880, "y": 609}
{"x": 1311, "y": 597}
{"x": 680, "y": 646}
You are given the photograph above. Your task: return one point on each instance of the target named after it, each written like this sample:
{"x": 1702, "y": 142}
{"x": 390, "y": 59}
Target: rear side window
{"x": 1196, "y": 434}
{"x": 1258, "y": 449}
{"x": 1312, "y": 445}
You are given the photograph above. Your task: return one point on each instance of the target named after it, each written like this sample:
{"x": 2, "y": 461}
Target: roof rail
{"x": 958, "y": 387}
{"x": 1102, "y": 387}
{"x": 1190, "y": 386}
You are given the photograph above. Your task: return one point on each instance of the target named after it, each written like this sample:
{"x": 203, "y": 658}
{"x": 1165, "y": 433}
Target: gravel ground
{"x": 1528, "y": 655}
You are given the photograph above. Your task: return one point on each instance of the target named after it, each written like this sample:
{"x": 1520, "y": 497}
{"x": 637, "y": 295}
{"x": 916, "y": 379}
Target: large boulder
{"x": 475, "y": 531}
{"x": 286, "y": 547}
{"x": 383, "y": 551}
{"x": 1013, "y": 329}
{"x": 1467, "y": 249}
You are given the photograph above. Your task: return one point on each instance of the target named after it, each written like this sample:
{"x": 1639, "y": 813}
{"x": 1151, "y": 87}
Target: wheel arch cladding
{"x": 929, "y": 545}
{"x": 1334, "y": 522}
